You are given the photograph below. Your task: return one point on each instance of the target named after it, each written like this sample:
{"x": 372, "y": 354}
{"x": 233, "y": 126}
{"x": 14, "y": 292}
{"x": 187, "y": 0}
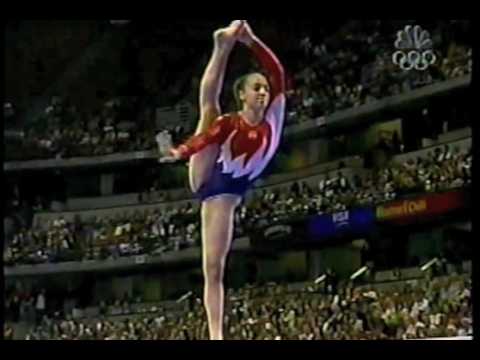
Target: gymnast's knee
{"x": 214, "y": 270}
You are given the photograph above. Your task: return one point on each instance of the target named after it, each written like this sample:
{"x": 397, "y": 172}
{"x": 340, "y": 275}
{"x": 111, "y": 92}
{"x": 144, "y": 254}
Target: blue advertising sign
{"x": 356, "y": 221}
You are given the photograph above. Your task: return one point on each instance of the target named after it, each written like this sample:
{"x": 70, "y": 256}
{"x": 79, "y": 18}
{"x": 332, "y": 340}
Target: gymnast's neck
{"x": 253, "y": 117}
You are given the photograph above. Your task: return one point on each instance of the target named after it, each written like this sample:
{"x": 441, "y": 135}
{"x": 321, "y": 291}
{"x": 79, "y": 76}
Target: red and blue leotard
{"x": 245, "y": 149}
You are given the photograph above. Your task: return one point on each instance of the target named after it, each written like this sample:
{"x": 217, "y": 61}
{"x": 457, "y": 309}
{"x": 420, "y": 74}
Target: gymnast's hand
{"x": 173, "y": 155}
{"x": 165, "y": 148}
{"x": 245, "y": 34}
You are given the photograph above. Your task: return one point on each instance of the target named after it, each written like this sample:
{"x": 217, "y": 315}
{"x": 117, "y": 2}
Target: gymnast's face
{"x": 256, "y": 93}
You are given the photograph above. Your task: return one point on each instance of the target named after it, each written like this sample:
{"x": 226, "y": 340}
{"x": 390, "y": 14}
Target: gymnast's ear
{"x": 239, "y": 90}
{"x": 241, "y": 94}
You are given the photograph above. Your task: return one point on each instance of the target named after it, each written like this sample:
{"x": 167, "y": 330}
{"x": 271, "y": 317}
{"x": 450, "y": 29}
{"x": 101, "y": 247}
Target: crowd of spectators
{"x": 64, "y": 132}
{"x": 441, "y": 307}
{"x": 154, "y": 231}
{"x": 132, "y": 233}
{"x": 135, "y": 65}
{"x": 36, "y": 305}
{"x": 441, "y": 170}
{"x": 25, "y": 306}
{"x": 358, "y": 55}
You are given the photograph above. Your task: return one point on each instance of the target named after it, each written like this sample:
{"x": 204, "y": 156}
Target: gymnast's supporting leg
{"x": 217, "y": 234}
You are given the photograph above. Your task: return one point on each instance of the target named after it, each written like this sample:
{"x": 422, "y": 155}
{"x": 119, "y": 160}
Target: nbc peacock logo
{"x": 414, "y": 49}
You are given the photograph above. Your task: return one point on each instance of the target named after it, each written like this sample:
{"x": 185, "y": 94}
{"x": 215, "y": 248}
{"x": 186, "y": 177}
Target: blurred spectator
{"x": 40, "y": 306}
{"x": 8, "y": 333}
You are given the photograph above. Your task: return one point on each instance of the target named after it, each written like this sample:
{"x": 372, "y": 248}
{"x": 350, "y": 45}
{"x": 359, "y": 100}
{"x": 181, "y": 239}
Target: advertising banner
{"x": 353, "y": 222}
{"x": 421, "y": 207}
